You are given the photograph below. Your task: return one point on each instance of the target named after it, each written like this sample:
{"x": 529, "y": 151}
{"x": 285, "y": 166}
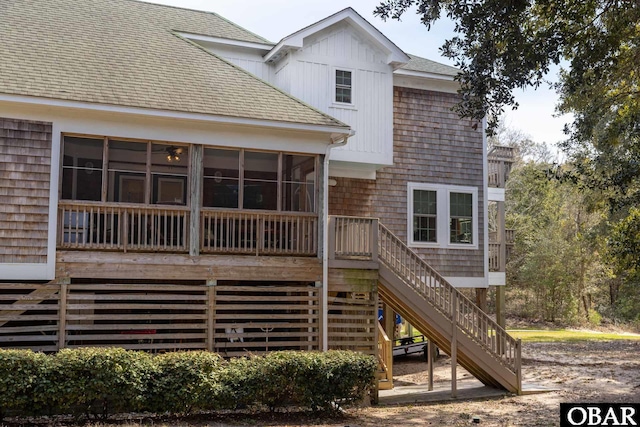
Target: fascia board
{"x": 223, "y": 41}
{"x": 412, "y": 73}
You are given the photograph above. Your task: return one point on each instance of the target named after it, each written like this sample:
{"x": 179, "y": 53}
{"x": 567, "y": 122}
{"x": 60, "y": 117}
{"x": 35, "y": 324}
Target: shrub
{"x": 336, "y": 379}
{"x": 20, "y": 373}
{"x": 183, "y": 382}
{"x": 99, "y": 381}
{"x": 320, "y": 381}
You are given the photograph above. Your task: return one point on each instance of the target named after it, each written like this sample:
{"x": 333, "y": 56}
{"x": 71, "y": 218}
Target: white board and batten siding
{"x": 248, "y": 59}
{"x": 312, "y": 70}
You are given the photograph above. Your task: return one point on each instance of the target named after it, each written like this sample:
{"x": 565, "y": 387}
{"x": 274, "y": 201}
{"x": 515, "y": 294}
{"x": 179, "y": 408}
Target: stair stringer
{"x": 437, "y": 327}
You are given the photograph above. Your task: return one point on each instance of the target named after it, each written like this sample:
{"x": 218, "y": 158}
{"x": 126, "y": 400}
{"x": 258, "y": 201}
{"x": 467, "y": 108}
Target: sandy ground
{"x": 581, "y": 372}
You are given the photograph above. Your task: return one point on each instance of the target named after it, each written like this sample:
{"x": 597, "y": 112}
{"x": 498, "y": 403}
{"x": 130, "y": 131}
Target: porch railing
{"x": 125, "y": 227}
{"x": 353, "y": 238}
{"x": 259, "y": 233}
{"x": 143, "y": 228}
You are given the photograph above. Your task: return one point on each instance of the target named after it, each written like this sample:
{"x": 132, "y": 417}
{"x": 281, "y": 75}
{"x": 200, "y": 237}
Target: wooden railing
{"x": 499, "y": 162}
{"x": 429, "y": 284}
{"x": 259, "y": 233}
{"x": 385, "y": 358}
{"x": 125, "y": 227}
{"x": 502, "y": 152}
{"x": 353, "y": 238}
{"x": 494, "y": 257}
{"x": 509, "y": 236}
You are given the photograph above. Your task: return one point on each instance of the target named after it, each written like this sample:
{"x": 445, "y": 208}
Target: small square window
{"x": 343, "y": 86}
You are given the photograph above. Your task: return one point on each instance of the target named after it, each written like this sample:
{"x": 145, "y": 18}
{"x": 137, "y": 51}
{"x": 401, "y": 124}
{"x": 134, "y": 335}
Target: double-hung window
{"x": 442, "y": 216}
{"x": 344, "y": 87}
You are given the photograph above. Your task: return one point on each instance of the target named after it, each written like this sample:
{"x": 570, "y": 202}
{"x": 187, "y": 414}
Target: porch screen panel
{"x": 82, "y": 169}
{"x": 298, "y": 183}
{"x": 221, "y": 178}
{"x": 260, "y": 180}
{"x": 127, "y": 171}
{"x": 169, "y": 172}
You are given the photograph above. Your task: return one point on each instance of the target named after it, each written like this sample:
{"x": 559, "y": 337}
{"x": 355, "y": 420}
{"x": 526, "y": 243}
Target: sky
{"x": 275, "y": 19}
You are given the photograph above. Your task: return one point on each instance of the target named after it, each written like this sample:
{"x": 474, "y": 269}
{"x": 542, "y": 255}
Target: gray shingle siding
{"x": 431, "y": 145}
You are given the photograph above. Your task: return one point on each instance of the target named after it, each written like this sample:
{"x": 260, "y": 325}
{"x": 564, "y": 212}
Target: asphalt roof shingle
{"x": 125, "y": 52}
{"x": 428, "y": 66}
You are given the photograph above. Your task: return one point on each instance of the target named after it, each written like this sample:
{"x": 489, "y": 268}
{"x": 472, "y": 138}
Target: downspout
{"x": 338, "y": 142}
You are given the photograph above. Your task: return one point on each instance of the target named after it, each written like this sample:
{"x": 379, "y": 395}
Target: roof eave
{"x": 149, "y": 112}
{"x": 434, "y": 76}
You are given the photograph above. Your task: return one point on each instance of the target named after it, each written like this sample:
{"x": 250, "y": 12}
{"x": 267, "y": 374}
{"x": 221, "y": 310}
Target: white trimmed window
{"x": 344, "y": 87}
{"x": 442, "y": 216}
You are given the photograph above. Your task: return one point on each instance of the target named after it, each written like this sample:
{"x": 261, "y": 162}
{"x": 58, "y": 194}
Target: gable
{"x": 343, "y": 41}
{"x": 393, "y": 54}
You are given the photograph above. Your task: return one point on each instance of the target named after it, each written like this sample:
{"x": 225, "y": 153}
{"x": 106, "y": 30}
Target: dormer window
{"x": 343, "y": 86}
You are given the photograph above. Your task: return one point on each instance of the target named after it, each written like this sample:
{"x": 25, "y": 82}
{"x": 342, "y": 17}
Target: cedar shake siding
{"x": 352, "y": 197}
{"x": 432, "y": 145}
{"x": 25, "y": 166}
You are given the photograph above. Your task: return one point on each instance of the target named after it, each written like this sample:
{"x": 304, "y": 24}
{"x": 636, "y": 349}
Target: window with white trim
{"x": 442, "y": 216}
{"x": 343, "y": 87}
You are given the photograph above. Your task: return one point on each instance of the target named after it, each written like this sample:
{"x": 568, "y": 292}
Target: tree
{"x": 507, "y": 44}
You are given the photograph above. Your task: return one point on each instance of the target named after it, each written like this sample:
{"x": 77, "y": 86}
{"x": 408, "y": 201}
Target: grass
{"x": 567, "y": 335}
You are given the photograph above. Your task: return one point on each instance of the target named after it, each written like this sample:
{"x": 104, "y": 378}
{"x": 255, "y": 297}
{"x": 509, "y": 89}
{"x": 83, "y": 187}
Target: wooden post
{"x": 500, "y": 317}
{"x": 211, "y": 306}
{"x": 431, "y": 352}
{"x": 481, "y": 298}
{"x": 518, "y": 365}
{"x": 454, "y": 346}
{"x": 321, "y": 315}
{"x": 374, "y": 240}
{"x": 195, "y": 199}
{"x": 389, "y": 322}
{"x": 62, "y": 313}
{"x": 502, "y": 238}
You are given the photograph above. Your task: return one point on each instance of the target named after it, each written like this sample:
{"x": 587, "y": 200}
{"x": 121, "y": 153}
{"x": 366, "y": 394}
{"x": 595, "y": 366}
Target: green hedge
{"x": 98, "y": 382}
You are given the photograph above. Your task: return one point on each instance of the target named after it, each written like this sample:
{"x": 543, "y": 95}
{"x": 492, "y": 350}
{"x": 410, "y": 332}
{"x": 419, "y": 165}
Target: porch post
{"x": 62, "y": 313}
{"x": 195, "y": 198}
{"x": 211, "y": 306}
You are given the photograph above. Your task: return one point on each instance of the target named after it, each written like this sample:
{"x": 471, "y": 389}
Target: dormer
{"x": 344, "y": 66}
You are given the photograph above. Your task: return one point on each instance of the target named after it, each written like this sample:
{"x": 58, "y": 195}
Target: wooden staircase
{"x": 422, "y": 296}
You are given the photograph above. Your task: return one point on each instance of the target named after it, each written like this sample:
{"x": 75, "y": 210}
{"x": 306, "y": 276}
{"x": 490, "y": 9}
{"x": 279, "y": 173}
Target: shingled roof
{"x": 126, "y": 53}
{"x": 425, "y": 65}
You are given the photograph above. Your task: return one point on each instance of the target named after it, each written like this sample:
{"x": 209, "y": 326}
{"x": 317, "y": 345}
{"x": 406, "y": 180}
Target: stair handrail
{"x": 432, "y": 286}
{"x": 385, "y": 352}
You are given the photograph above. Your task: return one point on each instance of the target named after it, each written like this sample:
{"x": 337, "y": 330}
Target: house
{"x": 171, "y": 180}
